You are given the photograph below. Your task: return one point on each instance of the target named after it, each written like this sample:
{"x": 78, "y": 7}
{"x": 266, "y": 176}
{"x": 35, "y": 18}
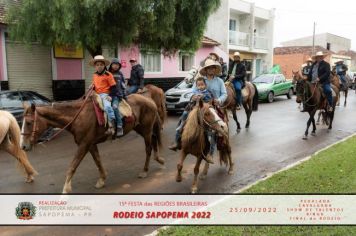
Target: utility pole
{"x": 313, "y": 51}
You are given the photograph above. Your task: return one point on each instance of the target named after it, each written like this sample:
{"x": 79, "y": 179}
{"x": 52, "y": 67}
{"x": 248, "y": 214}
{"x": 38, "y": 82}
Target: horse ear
{"x": 33, "y": 107}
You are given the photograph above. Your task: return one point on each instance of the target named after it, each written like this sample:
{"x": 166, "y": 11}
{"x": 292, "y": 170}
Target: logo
{"x": 25, "y": 211}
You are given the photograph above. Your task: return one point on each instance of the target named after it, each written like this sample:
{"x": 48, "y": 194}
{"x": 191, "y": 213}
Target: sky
{"x": 295, "y": 18}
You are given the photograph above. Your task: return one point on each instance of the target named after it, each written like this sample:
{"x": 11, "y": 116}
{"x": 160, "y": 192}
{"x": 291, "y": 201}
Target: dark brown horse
{"x": 342, "y": 88}
{"x": 87, "y": 132}
{"x": 195, "y": 142}
{"x": 250, "y": 101}
{"x": 10, "y": 142}
{"x": 159, "y": 98}
{"x": 313, "y": 99}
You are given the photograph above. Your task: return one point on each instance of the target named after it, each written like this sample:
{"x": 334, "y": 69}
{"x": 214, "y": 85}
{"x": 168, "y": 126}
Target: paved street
{"x": 273, "y": 142}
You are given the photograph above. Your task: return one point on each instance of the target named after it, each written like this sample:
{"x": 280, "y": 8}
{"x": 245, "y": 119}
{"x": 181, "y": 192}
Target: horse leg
{"x": 95, "y": 154}
{"x": 155, "y": 145}
{"x": 231, "y": 165}
{"x": 21, "y": 156}
{"x": 314, "y": 128}
{"x": 148, "y": 144}
{"x": 205, "y": 171}
{"x": 233, "y": 111}
{"x": 305, "y": 137}
{"x": 248, "y": 111}
{"x": 346, "y": 92}
{"x": 183, "y": 155}
{"x": 318, "y": 120}
{"x": 331, "y": 115}
{"x": 80, "y": 154}
{"x": 194, "y": 188}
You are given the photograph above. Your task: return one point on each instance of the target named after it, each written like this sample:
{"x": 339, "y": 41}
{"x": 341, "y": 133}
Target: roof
{"x": 300, "y": 50}
{"x": 209, "y": 41}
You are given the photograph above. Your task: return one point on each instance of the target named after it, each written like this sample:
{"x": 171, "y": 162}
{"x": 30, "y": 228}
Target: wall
{"x": 69, "y": 69}
{"x": 2, "y": 53}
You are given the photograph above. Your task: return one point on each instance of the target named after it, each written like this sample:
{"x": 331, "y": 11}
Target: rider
{"x": 105, "y": 86}
{"x": 216, "y": 86}
{"x": 341, "y": 69}
{"x": 136, "y": 81}
{"x": 320, "y": 72}
{"x": 236, "y": 75}
{"x": 223, "y": 69}
{"x": 114, "y": 68}
{"x": 307, "y": 67}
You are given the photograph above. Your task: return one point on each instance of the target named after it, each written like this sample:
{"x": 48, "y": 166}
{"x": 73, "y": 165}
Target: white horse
{"x": 10, "y": 142}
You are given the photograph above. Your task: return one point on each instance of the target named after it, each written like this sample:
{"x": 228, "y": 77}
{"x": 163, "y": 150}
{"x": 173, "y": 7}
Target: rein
{"x": 315, "y": 87}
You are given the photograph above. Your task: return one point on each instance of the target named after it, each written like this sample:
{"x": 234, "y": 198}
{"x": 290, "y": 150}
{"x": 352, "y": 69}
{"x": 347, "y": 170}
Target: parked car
{"x": 179, "y": 96}
{"x": 271, "y": 85}
{"x": 13, "y": 102}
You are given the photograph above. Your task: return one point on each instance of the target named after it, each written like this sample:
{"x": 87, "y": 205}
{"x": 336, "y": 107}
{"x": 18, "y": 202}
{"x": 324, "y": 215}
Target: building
{"x": 326, "y": 40}
{"x": 241, "y": 26}
{"x": 292, "y": 58}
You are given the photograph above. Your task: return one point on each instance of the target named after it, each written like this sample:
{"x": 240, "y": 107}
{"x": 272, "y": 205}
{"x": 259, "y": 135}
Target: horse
{"x": 341, "y": 87}
{"x": 195, "y": 141}
{"x": 10, "y": 135}
{"x": 250, "y": 101}
{"x": 312, "y": 97}
{"x": 159, "y": 98}
{"x": 83, "y": 125}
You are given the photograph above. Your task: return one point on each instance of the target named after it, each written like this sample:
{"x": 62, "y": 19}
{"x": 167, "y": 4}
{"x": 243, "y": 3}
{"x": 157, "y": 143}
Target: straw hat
{"x": 99, "y": 58}
{"x": 309, "y": 59}
{"x": 211, "y": 63}
{"x": 236, "y": 54}
{"x": 319, "y": 54}
{"x": 215, "y": 55}
{"x": 339, "y": 61}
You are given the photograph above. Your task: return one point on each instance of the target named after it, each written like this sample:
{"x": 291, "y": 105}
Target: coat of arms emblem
{"x": 25, "y": 211}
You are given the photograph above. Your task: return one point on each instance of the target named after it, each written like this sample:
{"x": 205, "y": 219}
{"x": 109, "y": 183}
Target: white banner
{"x": 178, "y": 209}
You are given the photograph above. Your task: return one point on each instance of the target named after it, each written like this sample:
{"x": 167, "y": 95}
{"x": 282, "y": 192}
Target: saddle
{"x": 124, "y": 109}
{"x": 244, "y": 91}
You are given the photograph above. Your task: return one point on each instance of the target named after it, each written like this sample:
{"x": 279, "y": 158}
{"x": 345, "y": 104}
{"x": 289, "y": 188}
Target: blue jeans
{"x": 328, "y": 92}
{"x": 182, "y": 119}
{"x": 212, "y": 140}
{"x": 132, "y": 89}
{"x": 115, "y": 106}
{"x": 107, "y": 106}
{"x": 238, "y": 85}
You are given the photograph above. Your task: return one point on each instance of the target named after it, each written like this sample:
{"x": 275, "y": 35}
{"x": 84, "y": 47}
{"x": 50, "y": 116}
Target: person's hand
{"x": 108, "y": 98}
{"x": 231, "y": 78}
{"x": 216, "y": 102}
{"x": 140, "y": 91}
{"x": 317, "y": 80}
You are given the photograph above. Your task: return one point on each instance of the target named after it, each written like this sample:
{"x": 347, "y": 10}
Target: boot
{"x": 238, "y": 106}
{"x": 111, "y": 129}
{"x": 175, "y": 146}
{"x": 120, "y": 131}
{"x": 209, "y": 159}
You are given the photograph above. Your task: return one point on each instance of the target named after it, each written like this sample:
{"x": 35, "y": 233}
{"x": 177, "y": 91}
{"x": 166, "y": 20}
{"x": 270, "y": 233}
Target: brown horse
{"x": 159, "y": 98}
{"x": 336, "y": 82}
{"x": 87, "y": 132}
{"x": 195, "y": 142}
{"x": 313, "y": 99}
{"x": 250, "y": 101}
{"x": 10, "y": 142}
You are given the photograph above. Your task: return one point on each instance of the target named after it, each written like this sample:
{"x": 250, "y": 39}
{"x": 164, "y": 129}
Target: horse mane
{"x": 192, "y": 126}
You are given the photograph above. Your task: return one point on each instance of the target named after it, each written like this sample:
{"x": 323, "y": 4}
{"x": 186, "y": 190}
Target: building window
{"x": 232, "y": 26}
{"x": 328, "y": 46}
{"x": 186, "y": 61}
{"x": 152, "y": 61}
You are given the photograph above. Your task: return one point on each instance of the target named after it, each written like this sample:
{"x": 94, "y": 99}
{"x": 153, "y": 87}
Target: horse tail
{"x": 157, "y": 134}
{"x": 14, "y": 136}
{"x": 224, "y": 155}
{"x": 255, "y": 99}
{"x": 163, "y": 106}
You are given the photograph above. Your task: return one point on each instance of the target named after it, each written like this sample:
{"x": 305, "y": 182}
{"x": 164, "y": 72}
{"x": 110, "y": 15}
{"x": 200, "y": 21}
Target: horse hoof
{"x": 230, "y": 172}
{"x": 179, "y": 178}
{"x": 202, "y": 177}
{"x": 305, "y": 137}
{"x": 142, "y": 175}
{"x": 313, "y": 134}
{"x": 100, "y": 184}
{"x": 194, "y": 190}
{"x": 238, "y": 130}
{"x": 160, "y": 160}
{"x": 317, "y": 123}
{"x": 30, "y": 179}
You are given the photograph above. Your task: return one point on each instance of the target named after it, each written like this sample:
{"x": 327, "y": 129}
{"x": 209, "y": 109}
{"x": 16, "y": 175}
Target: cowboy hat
{"x": 319, "y": 54}
{"x": 236, "y": 54}
{"x": 339, "y": 61}
{"x": 210, "y": 63}
{"x": 215, "y": 55}
{"x": 309, "y": 59}
{"x": 99, "y": 58}
{"x": 132, "y": 59}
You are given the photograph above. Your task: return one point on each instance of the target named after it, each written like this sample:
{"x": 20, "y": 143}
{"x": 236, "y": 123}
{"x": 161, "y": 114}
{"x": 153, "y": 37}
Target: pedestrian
{"x": 136, "y": 81}
{"x": 105, "y": 86}
{"x": 320, "y": 73}
{"x": 236, "y": 75}
{"x": 114, "y": 68}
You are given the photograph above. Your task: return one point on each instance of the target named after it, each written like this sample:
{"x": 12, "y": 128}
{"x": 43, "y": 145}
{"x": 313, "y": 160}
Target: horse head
{"x": 32, "y": 127}
{"x": 211, "y": 119}
{"x": 189, "y": 79}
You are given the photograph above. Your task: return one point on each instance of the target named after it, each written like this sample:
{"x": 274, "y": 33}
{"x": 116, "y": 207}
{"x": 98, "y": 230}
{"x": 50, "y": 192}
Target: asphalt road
{"x": 273, "y": 141}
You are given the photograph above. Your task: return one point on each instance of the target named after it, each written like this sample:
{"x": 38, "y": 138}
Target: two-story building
{"x": 247, "y": 29}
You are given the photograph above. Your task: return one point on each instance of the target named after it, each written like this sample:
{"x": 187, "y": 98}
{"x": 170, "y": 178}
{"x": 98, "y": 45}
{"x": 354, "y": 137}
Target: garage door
{"x": 29, "y": 68}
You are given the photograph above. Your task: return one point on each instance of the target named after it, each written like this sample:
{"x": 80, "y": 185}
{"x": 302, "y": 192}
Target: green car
{"x": 272, "y": 85}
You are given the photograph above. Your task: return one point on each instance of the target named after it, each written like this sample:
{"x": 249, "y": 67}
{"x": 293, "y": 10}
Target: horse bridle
{"x": 209, "y": 124}
{"x": 299, "y": 94}
{"x": 33, "y": 118}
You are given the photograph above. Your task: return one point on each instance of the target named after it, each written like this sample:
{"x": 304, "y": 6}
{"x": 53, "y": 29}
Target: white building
{"x": 329, "y": 41}
{"x": 242, "y": 26}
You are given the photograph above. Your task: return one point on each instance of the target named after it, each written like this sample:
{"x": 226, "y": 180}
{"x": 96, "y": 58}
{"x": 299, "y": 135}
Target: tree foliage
{"x": 171, "y": 25}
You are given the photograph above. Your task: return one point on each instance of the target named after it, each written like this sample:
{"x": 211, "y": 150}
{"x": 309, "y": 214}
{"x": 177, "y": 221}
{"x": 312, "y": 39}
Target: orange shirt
{"x": 102, "y": 83}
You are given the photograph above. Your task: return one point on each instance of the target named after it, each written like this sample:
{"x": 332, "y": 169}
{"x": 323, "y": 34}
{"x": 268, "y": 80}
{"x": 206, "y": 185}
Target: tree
{"x": 156, "y": 24}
